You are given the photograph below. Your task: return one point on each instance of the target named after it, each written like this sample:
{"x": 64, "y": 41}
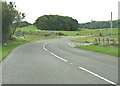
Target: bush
{"x": 60, "y": 34}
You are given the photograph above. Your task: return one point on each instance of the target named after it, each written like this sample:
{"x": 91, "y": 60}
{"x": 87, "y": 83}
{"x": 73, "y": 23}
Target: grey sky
{"x": 82, "y": 10}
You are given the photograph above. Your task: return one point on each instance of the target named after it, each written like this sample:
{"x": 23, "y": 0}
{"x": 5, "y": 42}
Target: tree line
{"x": 99, "y": 24}
{"x": 56, "y": 22}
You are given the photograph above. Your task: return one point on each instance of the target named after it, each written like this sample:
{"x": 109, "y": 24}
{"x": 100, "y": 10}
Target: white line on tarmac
{"x": 54, "y": 54}
{"x": 84, "y": 69}
{"x": 59, "y": 57}
{"x": 8, "y": 58}
{"x": 97, "y": 75}
{"x": 45, "y": 49}
{"x": 71, "y": 44}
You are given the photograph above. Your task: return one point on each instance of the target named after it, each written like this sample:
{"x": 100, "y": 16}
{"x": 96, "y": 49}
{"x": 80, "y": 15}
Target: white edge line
{"x": 8, "y": 58}
{"x": 97, "y": 75}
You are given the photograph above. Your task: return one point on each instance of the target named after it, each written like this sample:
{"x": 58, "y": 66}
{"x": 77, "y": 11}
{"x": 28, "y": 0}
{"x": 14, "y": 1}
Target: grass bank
{"x": 6, "y": 49}
{"x": 0, "y": 53}
{"x": 101, "y": 49}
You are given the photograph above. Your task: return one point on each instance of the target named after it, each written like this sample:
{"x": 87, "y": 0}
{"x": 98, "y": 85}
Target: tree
{"x": 0, "y": 21}
{"x": 9, "y": 16}
{"x": 56, "y": 22}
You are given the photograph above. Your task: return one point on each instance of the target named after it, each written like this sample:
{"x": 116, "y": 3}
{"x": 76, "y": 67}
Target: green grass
{"x": 110, "y": 50}
{"x": 101, "y": 49}
{"x": 96, "y": 32}
{"x": 68, "y": 33}
{"x": 0, "y": 53}
{"x": 6, "y": 49}
{"x": 28, "y": 29}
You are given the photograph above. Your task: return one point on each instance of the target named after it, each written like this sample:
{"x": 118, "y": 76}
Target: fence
{"x": 105, "y": 41}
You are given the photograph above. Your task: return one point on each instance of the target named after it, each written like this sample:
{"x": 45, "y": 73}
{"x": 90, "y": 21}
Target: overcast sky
{"x": 82, "y": 10}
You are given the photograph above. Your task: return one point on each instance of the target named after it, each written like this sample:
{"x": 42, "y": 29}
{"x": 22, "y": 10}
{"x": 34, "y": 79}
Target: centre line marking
{"x": 59, "y": 57}
{"x": 54, "y": 54}
{"x": 97, "y": 75}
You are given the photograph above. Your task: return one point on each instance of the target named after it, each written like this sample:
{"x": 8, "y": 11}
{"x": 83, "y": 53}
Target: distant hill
{"x": 99, "y": 24}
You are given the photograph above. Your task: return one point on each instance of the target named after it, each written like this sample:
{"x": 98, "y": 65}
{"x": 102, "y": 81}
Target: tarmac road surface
{"x": 56, "y": 61}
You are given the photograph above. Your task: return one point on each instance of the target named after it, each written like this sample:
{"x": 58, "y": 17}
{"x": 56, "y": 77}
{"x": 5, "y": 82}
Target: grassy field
{"x": 110, "y": 49}
{"x": 96, "y": 32}
{"x": 101, "y": 49}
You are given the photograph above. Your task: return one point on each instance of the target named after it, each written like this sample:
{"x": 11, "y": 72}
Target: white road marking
{"x": 88, "y": 44}
{"x": 54, "y": 54}
{"x": 97, "y": 75}
{"x": 8, "y": 58}
{"x": 45, "y": 49}
{"x": 80, "y": 67}
{"x": 71, "y": 44}
{"x": 59, "y": 57}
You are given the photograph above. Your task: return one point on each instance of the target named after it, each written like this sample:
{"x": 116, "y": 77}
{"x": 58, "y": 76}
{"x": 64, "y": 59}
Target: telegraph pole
{"x": 91, "y": 27}
{"x": 111, "y": 24}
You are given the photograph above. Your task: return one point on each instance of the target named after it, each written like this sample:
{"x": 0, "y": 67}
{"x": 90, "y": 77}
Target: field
{"x": 102, "y": 47}
{"x": 96, "y": 34}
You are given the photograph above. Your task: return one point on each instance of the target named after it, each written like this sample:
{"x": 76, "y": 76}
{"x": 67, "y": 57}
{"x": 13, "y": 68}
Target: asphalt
{"x": 56, "y": 61}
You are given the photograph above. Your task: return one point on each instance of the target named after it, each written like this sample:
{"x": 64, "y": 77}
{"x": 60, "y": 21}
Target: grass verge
{"x": 6, "y": 49}
{"x": 0, "y": 53}
{"x": 101, "y": 49}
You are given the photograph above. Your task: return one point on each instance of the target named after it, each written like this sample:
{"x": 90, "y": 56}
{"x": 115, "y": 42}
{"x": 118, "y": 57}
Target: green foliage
{"x": 0, "y": 21}
{"x": 99, "y": 24}
{"x": 22, "y": 24}
{"x": 9, "y": 16}
{"x": 56, "y": 22}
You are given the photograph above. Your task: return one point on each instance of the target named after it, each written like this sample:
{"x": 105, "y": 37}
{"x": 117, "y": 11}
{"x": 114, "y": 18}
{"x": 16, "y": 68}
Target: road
{"x": 56, "y": 61}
